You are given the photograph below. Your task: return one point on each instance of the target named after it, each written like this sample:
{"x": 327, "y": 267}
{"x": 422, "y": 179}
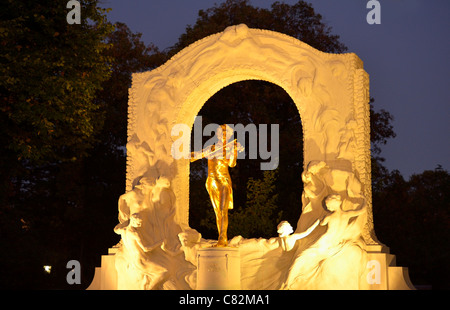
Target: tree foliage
{"x": 73, "y": 78}
{"x": 412, "y": 217}
{"x": 51, "y": 72}
{"x": 262, "y": 214}
{"x": 298, "y": 20}
{"x": 128, "y": 55}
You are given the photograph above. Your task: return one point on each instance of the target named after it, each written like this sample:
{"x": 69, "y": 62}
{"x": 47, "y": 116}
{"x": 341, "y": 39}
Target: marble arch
{"x": 331, "y": 92}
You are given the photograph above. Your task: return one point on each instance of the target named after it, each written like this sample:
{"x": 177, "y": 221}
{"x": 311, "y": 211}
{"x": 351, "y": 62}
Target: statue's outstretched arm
{"x": 205, "y": 153}
{"x": 304, "y": 234}
{"x": 202, "y": 154}
{"x": 195, "y": 156}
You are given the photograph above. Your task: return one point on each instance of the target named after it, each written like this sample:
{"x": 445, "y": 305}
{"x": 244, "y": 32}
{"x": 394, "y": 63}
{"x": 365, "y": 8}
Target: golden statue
{"x": 220, "y": 156}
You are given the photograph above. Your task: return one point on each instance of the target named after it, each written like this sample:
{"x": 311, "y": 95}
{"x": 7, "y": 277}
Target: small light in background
{"x": 47, "y": 268}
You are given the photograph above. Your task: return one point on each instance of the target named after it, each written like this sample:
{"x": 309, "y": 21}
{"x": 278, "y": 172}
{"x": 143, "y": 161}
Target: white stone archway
{"x": 331, "y": 93}
{"x": 329, "y": 90}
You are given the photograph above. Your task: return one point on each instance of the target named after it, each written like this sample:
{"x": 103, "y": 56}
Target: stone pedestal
{"x": 105, "y": 277}
{"x": 382, "y": 272}
{"x": 218, "y": 269}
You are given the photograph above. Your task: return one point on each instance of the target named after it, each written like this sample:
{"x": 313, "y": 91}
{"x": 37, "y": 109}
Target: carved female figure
{"x": 336, "y": 258}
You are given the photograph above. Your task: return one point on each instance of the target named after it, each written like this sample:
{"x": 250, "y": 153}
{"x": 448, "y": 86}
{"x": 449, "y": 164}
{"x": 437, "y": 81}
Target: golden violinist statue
{"x": 220, "y": 156}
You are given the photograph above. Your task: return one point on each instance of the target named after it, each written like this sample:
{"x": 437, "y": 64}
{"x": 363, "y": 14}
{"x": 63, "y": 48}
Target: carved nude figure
{"x": 336, "y": 258}
{"x": 337, "y": 221}
{"x": 135, "y": 200}
{"x": 137, "y": 251}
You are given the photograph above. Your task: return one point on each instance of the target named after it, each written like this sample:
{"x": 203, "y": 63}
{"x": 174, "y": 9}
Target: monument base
{"x": 105, "y": 277}
{"x": 218, "y": 269}
{"x": 382, "y": 273}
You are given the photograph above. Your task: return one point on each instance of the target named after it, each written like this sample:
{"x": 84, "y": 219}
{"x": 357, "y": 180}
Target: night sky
{"x": 406, "y": 56}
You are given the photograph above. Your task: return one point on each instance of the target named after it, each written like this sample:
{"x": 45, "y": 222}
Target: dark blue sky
{"x": 406, "y": 56}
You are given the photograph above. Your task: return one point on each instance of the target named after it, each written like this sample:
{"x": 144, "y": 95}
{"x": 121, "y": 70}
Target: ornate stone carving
{"x": 158, "y": 248}
{"x": 149, "y": 255}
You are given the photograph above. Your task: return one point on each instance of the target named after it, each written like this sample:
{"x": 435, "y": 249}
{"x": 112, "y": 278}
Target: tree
{"x": 413, "y": 217}
{"x": 128, "y": 55}
{"x": 103, "y": 171}
{"x": 298, "y": 20}
{"x": 64, "y": 106}
{"x": 381, "y": 130}
{"x": 51, "y": 72}
{"x": 261, "y": 214}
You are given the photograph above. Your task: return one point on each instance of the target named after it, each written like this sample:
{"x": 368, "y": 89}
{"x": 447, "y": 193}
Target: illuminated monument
{"x": 334, "y": 245}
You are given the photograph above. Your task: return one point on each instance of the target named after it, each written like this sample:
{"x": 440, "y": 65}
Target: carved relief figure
{"x": 337, "y": 222}
{"x": 149, "y": 254}
{"x": 134, "y": 200}
{"x": 337, "y": 258}
{"x": 148, "y": 271}
{"x": 163, "y": 200}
